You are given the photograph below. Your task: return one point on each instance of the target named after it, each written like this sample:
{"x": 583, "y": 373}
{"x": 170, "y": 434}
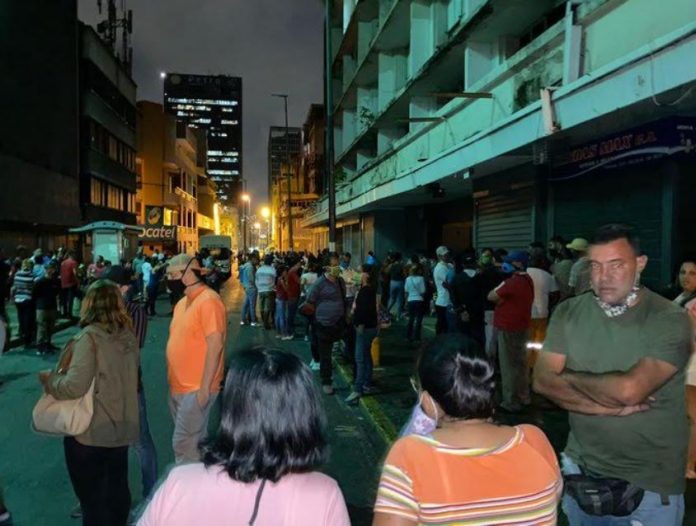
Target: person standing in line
{"x": 366, "y": 330}
{"x": 513, "y": 315}
{"x": 281, "y": 303}
{"x": 68, "y": 284}
{"x": 23, "y": 297}
{"x": 308, "y": 278}
{"x": 46, "y": 291}
{"x": 469, "y": 301}
{"x": 247, "y": 278}
{"x": 687, "y": 300}
{"x": 561, "y": 272}
{"x": 545, "y": 297}
{"x": 396, "y": 286}
{"x": 443, "y": 301}
{"x": 415, "y": 289}
{"x": 328, "y": 297}
{"x": 579, "y": 280}
{"x": 293, "y": 290}
{"x": 491, "y": 277}
{"x": 195, "y": 355}
{"x": 616, "y": 361}
{"x": 105, "y": 352}
{"x": 265, "y": 284}
{"x": 39, "y": 268}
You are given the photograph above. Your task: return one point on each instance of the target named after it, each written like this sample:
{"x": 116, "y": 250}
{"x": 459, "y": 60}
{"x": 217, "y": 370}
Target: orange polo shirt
{"x": 193, "y": 321}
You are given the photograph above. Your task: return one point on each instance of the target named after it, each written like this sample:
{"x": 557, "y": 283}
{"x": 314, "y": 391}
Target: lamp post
{"x": 246, "y": 198}
{"x": 287, "y": 167}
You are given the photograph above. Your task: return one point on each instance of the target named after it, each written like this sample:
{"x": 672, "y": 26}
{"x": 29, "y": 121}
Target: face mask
{"x": 177, "y": 285}
{"x": 344, "y": 265}
{"x": 335, "y": 272}
{"x": 420, "y": 423}
{"x": 612, "y": 311}
{"x": 486, "y": 260}
{"x": 508, "y": 268}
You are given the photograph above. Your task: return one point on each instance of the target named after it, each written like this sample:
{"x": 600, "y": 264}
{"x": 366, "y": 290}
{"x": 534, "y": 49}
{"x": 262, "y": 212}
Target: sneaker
{"x": 353, "y": 398}
{"x": 288, "y": 338}
{"x": 328, "y": 389}
{"x": 279, "y": 336}
{"x": 254, "y": 324}
{"x": 314, "y": 366}
{"x": 242, "y": 323}
{"x": 76, "y": 512}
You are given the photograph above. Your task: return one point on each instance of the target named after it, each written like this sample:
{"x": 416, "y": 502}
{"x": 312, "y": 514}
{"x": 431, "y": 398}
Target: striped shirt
{"x": 23, "y": 286}
{"x": 136, "y": 311}
{"x": 431, "y": 483}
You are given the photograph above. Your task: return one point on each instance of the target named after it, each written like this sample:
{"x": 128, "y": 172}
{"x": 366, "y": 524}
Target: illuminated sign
{"x": 162, "y": 233}
{"x": 154, "y": 216}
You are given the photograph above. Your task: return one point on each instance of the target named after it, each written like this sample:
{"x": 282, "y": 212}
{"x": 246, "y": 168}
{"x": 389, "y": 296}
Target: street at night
{"x": 348, "y": 263}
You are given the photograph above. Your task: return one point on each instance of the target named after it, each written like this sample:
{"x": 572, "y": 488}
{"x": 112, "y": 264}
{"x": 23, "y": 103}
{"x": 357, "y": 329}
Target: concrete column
{"x": 479, "y": 60}
{"x": 366, "y": 108}
{"x": 392, "y": 77}
{"x": 366, "y": 32}
{"x": 348, "y": 128}
{"x": 422, "y": 43}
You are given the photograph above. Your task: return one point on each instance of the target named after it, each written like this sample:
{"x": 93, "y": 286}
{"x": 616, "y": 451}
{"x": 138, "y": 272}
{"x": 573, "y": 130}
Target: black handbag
{"x": 601, "y": 496}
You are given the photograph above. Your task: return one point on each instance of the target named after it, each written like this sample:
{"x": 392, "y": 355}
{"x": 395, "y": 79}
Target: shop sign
{"x": 154, "y": 216}
{"x": 161, "y": 233}
{"x": 653, "y": 141}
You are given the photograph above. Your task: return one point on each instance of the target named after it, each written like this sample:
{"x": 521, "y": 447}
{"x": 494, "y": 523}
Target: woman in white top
{"x": 415, "y": 292}
{"x": 687, "y": 300}
{"x": 308, "y": 278}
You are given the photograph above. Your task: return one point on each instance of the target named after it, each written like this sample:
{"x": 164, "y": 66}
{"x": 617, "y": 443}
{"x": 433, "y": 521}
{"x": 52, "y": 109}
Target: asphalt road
{"x": 32, "y": 468}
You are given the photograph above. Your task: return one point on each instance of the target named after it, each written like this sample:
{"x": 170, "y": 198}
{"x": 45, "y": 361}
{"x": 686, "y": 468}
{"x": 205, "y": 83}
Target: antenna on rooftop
{"x": 108, "y": 30}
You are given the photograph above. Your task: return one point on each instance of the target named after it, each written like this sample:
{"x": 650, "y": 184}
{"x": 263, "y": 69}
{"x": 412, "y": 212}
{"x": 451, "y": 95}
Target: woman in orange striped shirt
{"x": 469, "y": 471}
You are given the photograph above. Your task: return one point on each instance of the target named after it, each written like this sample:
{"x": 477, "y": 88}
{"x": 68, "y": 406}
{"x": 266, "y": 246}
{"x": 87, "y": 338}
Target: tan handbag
{"x": 64, "y": 417}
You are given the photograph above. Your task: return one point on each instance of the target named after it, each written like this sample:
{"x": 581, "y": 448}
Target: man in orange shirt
{"x": 195, "y": 355}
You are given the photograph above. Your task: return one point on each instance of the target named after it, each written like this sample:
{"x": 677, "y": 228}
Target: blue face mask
{"x": 344, "y": 265}
{"x": 508, "y": 268}
{"x": 419, "y": 423}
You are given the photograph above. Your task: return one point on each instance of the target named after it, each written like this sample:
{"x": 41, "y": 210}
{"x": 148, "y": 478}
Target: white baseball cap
{"x": 442, "y": 251}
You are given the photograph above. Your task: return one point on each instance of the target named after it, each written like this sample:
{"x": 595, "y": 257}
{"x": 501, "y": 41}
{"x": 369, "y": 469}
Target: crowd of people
{"x": 569, "y": 319}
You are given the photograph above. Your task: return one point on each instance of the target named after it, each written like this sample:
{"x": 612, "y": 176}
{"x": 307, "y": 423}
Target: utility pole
{"x": 289, "y": 171}
{"x": 329, "y": 135}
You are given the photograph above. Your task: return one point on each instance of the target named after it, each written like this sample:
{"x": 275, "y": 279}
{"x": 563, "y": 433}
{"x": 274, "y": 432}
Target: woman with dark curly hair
{"x": 262, "y": 467}
{"x": 466, "y": 469}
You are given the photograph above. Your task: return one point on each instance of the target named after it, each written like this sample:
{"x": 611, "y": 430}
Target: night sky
{"x": 276, "y": 46}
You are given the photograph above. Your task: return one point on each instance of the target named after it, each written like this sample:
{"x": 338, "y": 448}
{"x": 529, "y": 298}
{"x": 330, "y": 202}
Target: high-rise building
{"x": 214, "y": 103}
{"x": 277, "y": 153}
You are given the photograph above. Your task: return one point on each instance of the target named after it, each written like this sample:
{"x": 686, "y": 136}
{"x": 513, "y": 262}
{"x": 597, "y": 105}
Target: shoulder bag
{"x": 64, "y": 417}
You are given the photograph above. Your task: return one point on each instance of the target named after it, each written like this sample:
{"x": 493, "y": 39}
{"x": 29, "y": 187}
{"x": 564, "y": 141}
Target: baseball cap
{"x": 580, "y": 244}
{"x": 442, "y": 251}
{"x": 517, "y": 255}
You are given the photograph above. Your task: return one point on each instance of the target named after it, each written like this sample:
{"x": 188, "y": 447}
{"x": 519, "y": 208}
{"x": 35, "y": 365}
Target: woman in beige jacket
{"x": 106, "y": 351}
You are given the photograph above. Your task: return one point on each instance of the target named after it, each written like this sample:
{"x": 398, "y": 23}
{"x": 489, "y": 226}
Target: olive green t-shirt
{"x": 648, "y": 449}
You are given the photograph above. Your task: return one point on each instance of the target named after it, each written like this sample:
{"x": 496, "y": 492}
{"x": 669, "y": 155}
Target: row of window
{"x": 110, "y": 196}
{"x": 105, "y": 143}
{"x": 100, "y": 84}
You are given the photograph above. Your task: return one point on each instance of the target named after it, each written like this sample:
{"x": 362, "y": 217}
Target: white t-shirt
{"x": 690, "y": 307}
{"x": 415, "y": 288}
{"x": 544, "y": 284}
{"x": 265, "y": 278}
{"x": 440, "y": 277}
{"x": 147, "y": 272}
{"x": 307, "y": 280}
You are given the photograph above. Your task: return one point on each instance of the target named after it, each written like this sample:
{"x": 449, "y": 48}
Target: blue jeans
{"x": 145, "y": 449}
{"x": 281, "y": 316}
{"x": 651, "y": 510}
{"x": 416, "y": 310}
{"x": 396, "y": 296}
{"x": 249, "y": 306}
{"x": 292, "y": 313}
{"x": 363, "y": 359}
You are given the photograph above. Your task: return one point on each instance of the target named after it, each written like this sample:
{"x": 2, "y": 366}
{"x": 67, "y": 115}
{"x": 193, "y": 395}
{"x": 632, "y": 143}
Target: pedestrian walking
{"x": 195, "y": 355}
{"x": 23, "y": 297}
{"x": 265, "y": 284}
{"x": 328, "y": 298}
{"x": 263, "y": 466}
{"x": 616, "y": 360}
{"x": 46, "y": 292}
{"x": 366, "y": 326}
{"x": 513, "y": 315}
{"x": 443, "y": 301}
{"x": 466, "y": 469}
{"x": 415, "y": 289}
{"x": 105, "y": 352}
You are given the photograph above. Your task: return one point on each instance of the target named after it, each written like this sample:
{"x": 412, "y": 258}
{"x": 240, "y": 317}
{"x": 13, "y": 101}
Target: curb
{"x": 60, "y": 326}
{"x": 373, "y": 410}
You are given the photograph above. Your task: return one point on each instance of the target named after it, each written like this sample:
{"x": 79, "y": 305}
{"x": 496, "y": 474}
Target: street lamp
{"x": 266, "y": 214}
{"x": 287, "y": 167}
{"x": 246, "y": 198}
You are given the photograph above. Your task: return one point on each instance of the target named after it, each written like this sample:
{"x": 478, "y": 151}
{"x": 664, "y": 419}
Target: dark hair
{"x": 457, "y": 374}
{"x": 272, "y": 420}
{"x": 347, "y": 255}
{"x": 268, "y": 260}
{"x": 614, "y": 232}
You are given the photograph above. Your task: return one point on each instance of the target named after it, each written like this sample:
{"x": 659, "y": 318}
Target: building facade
{"x": 212, "y": 103}
{"x": 176, "y": 201}
{"x": 496, "y": 123}
{"x": 279, "y": 150}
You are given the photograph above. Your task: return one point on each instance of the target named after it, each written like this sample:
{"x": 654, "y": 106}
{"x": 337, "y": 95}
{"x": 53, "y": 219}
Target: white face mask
{"x": 419, "y": 423}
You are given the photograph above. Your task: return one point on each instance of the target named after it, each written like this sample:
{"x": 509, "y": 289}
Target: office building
{"x": 212, "y": 103}
{"x": 277, "y": 148}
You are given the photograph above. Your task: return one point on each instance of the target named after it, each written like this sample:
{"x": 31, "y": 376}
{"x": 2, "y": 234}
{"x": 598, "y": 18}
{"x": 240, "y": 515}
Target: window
{"x": 97, "y": 189}
{"x": 115, "y": 198}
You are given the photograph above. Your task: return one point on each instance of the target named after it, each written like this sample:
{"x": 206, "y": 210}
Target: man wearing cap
{"x": 512, "y": 318}
{"x": 443, "y": 301}
{"x": 579, "y": 281}
{"x": 195, "y": 355}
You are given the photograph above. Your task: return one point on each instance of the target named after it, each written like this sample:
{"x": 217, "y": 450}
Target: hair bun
{"x": 474, "y": 369}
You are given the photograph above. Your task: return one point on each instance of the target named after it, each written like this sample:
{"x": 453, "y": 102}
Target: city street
{"x": 32, "y": 468}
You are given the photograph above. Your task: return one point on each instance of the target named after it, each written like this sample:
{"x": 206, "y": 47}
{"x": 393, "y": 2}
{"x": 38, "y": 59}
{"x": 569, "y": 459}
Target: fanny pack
{"x": 600, "y": 496}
